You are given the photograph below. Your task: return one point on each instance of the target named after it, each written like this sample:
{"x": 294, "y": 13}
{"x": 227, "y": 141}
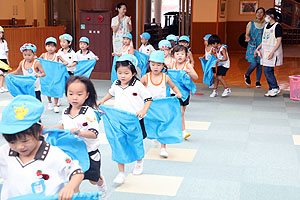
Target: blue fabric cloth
{"x": 142, "y": 64}
{"x": 53, "y": 84}
{"x": 124, "y": 134}
{"x": 20, "y": 85}
{"x": 163, "y": 121}
{"x": 85, "y": 68}
{"x": 207, "y": 66}
{"x": 76, "y": 196}
{"x": 183, "y": 81}
{"x": 255, "y": 40}
{"x": 71, "y": 144}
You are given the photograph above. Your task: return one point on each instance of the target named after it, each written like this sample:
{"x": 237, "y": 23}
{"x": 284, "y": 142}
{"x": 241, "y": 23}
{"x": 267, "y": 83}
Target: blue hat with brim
{"x": 51, "y": 40}
{"x": 84, "y": 39}
{"x": 164, "y": 44}
{"x": 157, "y": 56}
{"x": 28, "y": 46}
{"x": 67, "y": 37}
{"x": 184, "y": 38}
{"x": 206, "y": 37}
{"x": 128, "y": 35}
{"x": 172, "y": 37}
{"x": 146, "y": 36}
{"x": 20, "y": 114}
{"x": 130, "y": 58}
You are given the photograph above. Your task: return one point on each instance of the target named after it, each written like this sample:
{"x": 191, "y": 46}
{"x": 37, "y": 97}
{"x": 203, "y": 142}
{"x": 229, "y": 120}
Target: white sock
{"x": 139, "y": 162}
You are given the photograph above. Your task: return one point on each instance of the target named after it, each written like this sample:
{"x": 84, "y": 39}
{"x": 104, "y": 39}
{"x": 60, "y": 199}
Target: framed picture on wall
{"x": 248, "y": 7}
{"x": 222, "y": 8}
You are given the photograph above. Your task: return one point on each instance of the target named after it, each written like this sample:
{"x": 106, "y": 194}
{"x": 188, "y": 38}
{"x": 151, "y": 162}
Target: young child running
{"x": 3, "y": 58}
{"x": 131, "y": 96}
{"x": 127, "y": 45}
{"x": 66, "y": 54}
{"x": 28, "y": 164}
{"x": 81, "y": 119}
{"x": 179, "y": 52}
{"x": 30, "y": 67}
{"x": 208, "y": 52}
{"x": 185, "y": 41}
{"x": 156, "y": 83}
{"x": 172, "y": 39}
{"x": 51, "y": 44}
{"x": 220, "y": 51}
{"x": 85, "y": 53}
{"x": 146, "y": 48}
{"x": 165, "y": 46}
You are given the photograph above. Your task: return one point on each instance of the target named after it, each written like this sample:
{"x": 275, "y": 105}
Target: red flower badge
{"x": 134, "y": 94}
{"x": 68, "y": 160}
{"x": 85, "y": 124}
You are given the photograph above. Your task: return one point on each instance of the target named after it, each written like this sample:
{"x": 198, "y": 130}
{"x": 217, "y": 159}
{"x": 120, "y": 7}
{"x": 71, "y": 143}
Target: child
{"x": 28, "y": 164}
{"x": 131, "y": 96}
{"x": 156, "y": 83}
{"x": 185, "y": 41}
{"x": 172, "y": 39}
{"x": 51, "y": 44}
{"x": 84, "y": 53}
{"x": 30, "y": 67}
{"x": 223, "y": 65}
{"x": 81, "y": 119}
{"x": 208, "y": 52}
{"x": 146, "y": 48}
{"x": 3, "y": 58}
{"x": 127, "y": 46}
{"x": 165, "y": 46}
{"x": 180, "y": 53}
{"x": 66, "y": 54}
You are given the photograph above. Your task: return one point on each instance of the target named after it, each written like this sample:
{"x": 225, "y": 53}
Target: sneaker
{"x": 163, "y": 153}
{"x": 56, "y": 109}
{"x": 274, "y": 92}
{"x": 120, "y": 178}
{"x": 185, "y": 134}
{"x": 1, "y": 90}
{"x": 226, "y": 92}
{"x": 268, "y": 93}
{"x": 103, "y": 188}
{"x": 138, "y": 168}
{"x": 50, "y": 106}
{"x": 59, "y": 102}
{"x": 258, "y": 85}
{"x": 247, "y": 79}
{"x": 214, "y": 93}
{"x": 212, "y": 86}
{"x": 4, "y": 89}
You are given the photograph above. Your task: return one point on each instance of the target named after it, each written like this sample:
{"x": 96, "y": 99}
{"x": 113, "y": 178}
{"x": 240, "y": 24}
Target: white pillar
{"x": 157, "y": 10}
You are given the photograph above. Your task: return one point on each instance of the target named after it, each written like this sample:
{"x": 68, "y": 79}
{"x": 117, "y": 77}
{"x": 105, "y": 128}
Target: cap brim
{"x": 14, "y": 128}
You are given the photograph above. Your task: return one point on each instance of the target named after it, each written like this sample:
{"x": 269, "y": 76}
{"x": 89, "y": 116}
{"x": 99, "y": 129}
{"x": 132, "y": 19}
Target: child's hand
{"x": 271, "y": 55}
{"x": 66, "y": 193}
{"x": 69, "y": 65}
{"x": 187, "y": 70}
{"x": 101, "y": 102}
{"x": 129, "y": 20}
{"x": 65, "y": 63}
{"x": 141, "y": 114}
{"x": 179, "y": 95}
{"x": 75, "y": 131}
{"x": 96, "y": 58}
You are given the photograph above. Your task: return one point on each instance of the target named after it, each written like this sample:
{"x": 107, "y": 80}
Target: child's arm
{"x": 68, "y": 191}
{"x": 7, "y": 59}
{"x": 142, "y": 113}
{"x": 173, "y": 87}
{"x": 116, "y": 54}
{"x": 40, "y": 69}
{"x": 191, "y": 58}
{"x": 42, "y": 56}
{"x": 191, "y": 71}
{"x": 105, "y": 98}
{"x": 62, "y": 60}
{"x": 85, "y": 134}
{"x": 73, "y": 64}
{"x": 131, "y": 51}
{"x": 144, "y": 80}
{"x": 18, "y": 71}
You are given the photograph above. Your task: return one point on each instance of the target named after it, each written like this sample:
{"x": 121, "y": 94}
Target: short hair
{"x": 178, "y": 48}
{"x": 214, "y": 39}
{"x": 35, "y": 131}
{"x": 48, "y": 43}
{"x": 126, "y": 63}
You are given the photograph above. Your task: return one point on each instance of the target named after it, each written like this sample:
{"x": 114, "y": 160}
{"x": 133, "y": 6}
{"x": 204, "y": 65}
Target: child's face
{"x": 1, "y": 34}
{"x": 124, "y": 74}
{"x": 156, "y": 68}
{"x": 215, "y": 45}
{"x": 144, "y": 41}
{"x": 25, "y": 146}
{"x": 28, "y": 55}
{"x": 205, "y": 42}
{"x": 126, "y": 41}
{"x": 64, "y": 43}
{"x": 167, "y": 51}
{"x": 77, "y": 94}
{"x": 50, "y": 48}
{"x": 83, "y": 45}
{"x": 180, "y": 56}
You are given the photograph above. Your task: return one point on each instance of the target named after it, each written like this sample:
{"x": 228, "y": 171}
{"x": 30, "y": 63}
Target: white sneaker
{"x": 268, "y": 93}
{"x": 212, "y": 86}
{"x": 163, "y": 153}
{"x": 50, "y": 106}
{"x": 103, "y": 187}
{"x": 214, "y": 93}
{"x": 138, "y": 168}
{"x": 226, "y": 92}
{"x": 274, "y": 92}
{"x": 185, "y": 134}
{"x": 120, "y": 178}
{"x": 59, "y": 102}
{"x": 4, "y": 89}
{"x": 1, "y": 90}
{"x": 56, "y": 109}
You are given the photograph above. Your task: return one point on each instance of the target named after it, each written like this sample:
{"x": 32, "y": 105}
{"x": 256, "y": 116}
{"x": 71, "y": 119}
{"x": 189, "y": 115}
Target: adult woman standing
{"x": 254, "y": 32}
{"x": 120, "y": 24}
{"x": 271, "y": 49}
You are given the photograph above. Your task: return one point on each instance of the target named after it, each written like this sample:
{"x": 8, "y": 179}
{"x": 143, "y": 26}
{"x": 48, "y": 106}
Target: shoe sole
{"x": 246, "y": 81}
{"x": 163, "y": 156}
{"x": 187, "y": 135}
{"x": 258, "y": 86}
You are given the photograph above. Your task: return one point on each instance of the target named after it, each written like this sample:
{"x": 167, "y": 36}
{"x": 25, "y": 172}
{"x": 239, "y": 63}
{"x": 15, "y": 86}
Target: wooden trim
{"x": 218, "y": 12}
{"x": 46, "y": 13}
{"x": 192, "y": 18}
{"x": 4, "y": 22}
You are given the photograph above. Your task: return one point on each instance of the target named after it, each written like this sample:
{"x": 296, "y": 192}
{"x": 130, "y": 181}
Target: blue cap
{"x": 184, "y": 38}
{"x": 51, "y": 39}
{"x": 20, "y": 114}
{"x": 207, "y": 37}
{"x": 28, "y": 46}
{"x": 128, "y": 35}
{"x": 157, "y": 56}
{"x": 146, "y": 36}
{"x": 130, "y": 58}
{"x": 172, "y": 37}
{"x": 164, "y": 44}
{"x": 84, "y": 39}
{"x": 66, "y": 36}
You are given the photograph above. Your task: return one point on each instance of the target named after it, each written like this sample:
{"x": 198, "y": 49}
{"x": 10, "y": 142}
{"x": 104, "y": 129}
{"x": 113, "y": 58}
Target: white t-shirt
{"x": 85, "y": 120}
{"x": 146, "y": 49}
{"x": 130, "y": 98}
{"x": 69, "y": 57}
{"x": 88, "y": 56}
{"x": 3, "y": 49}
{"x": 20, "y": 179}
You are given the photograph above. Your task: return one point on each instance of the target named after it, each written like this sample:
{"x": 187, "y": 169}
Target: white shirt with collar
{"x": 19, "y": 177}
{"x": 146, "y": 49}
{"x": 130, "y": 98}
{"x": 85, "y": 120}
{"x": 3, "y": 49}
{"x": 70, "y": 57}
{"x": 88, "y": 56}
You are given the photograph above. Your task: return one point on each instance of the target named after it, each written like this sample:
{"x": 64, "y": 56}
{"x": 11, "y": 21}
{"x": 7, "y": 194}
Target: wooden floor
{"x": 239, "y": 66}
